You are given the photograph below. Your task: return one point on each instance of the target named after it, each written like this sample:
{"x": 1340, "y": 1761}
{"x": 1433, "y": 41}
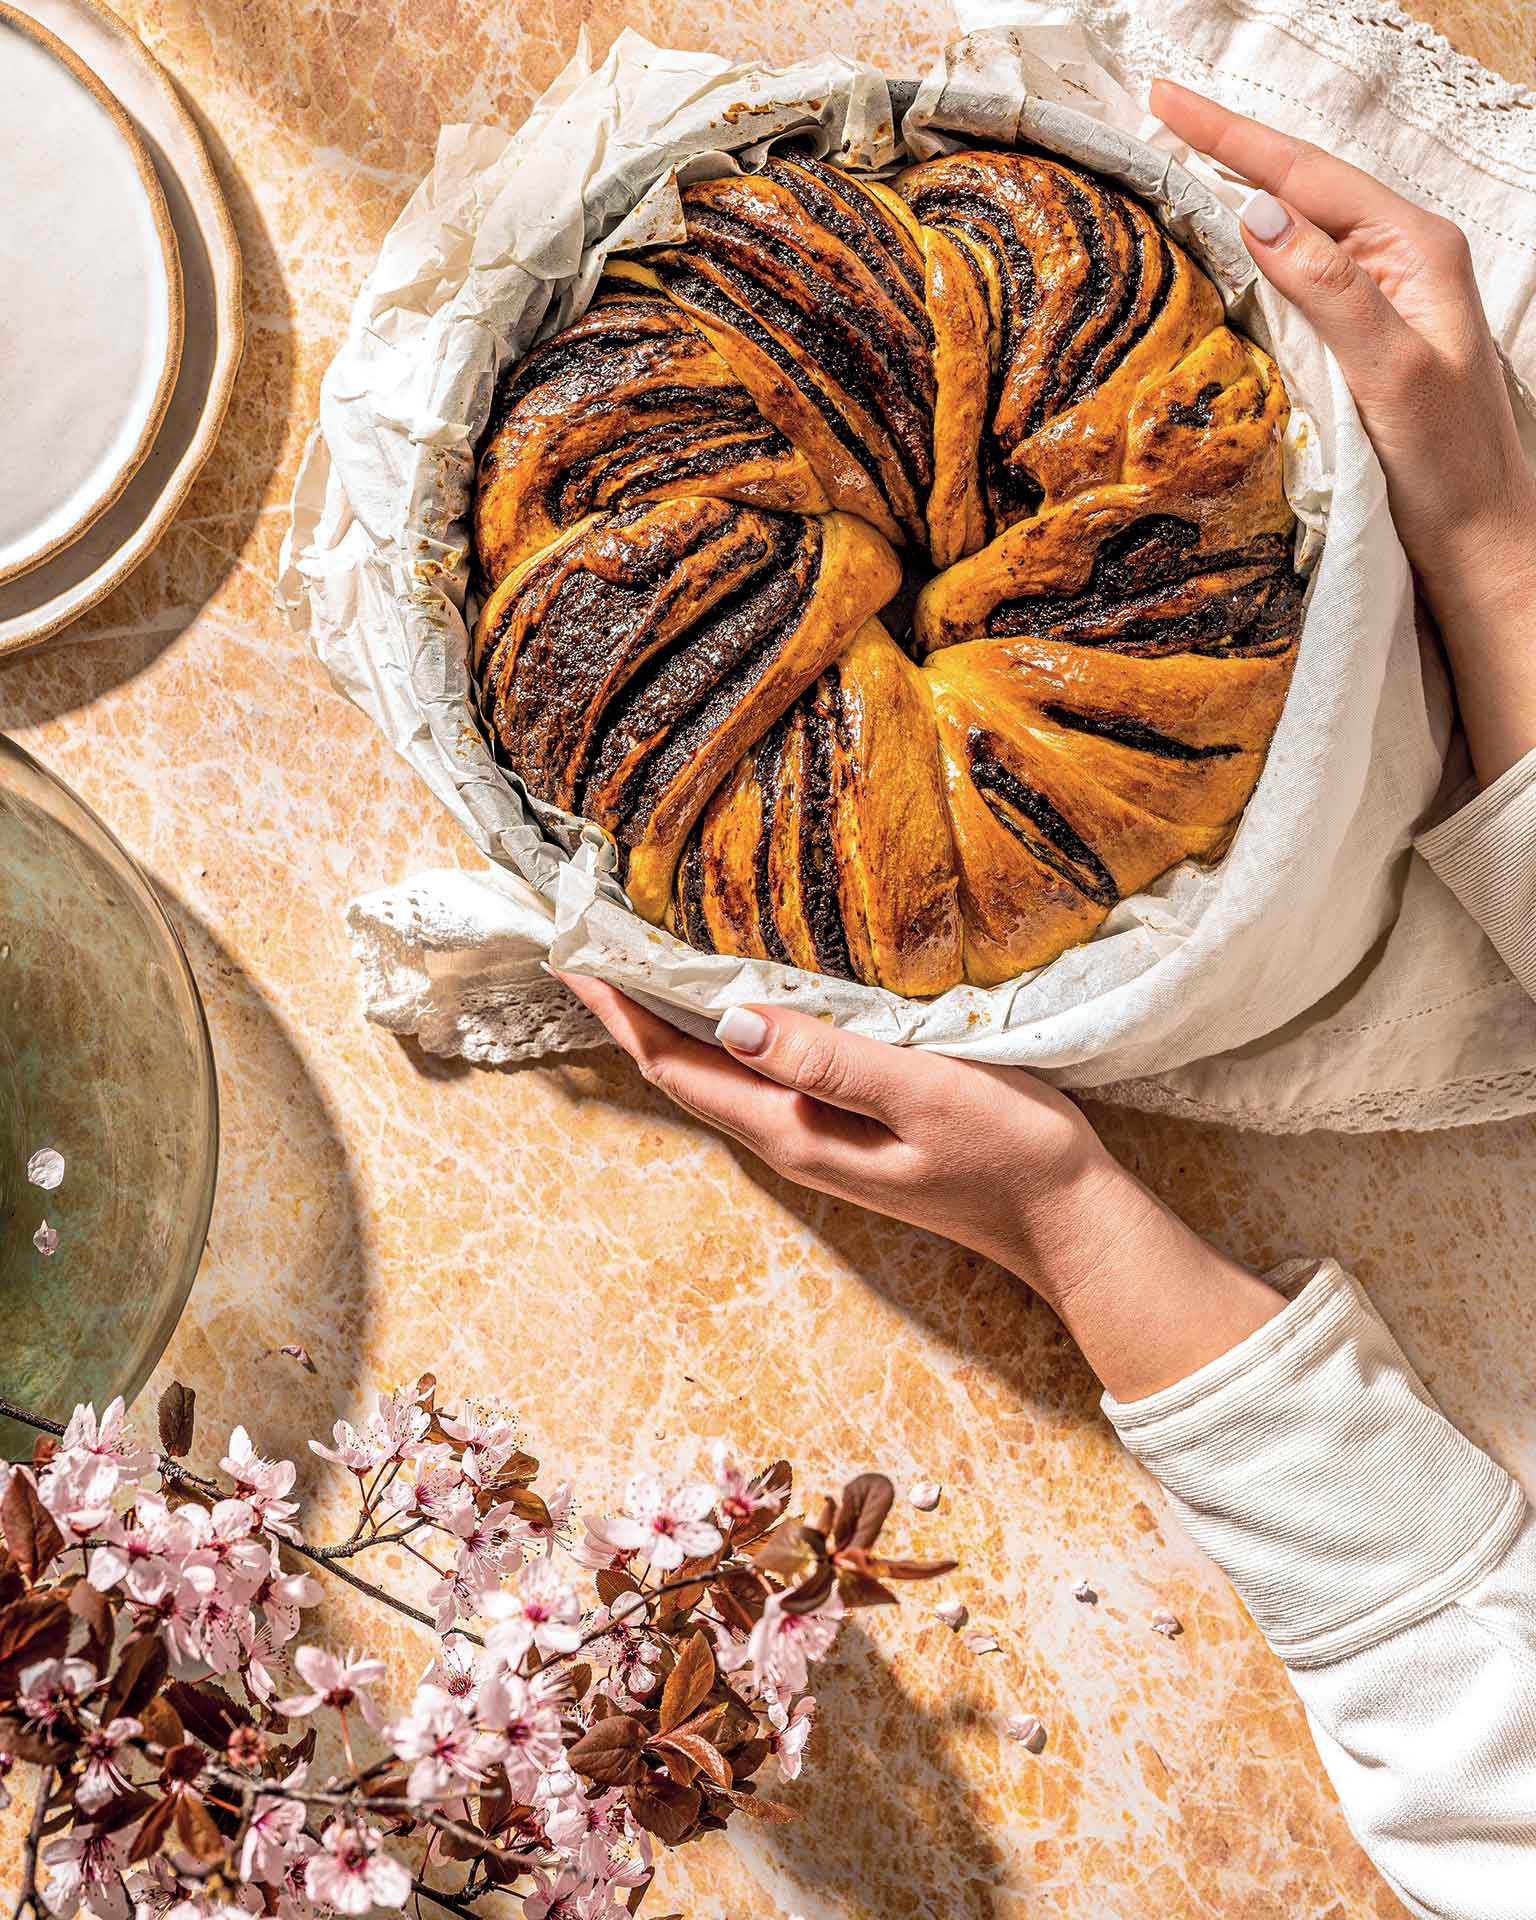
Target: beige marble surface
{"x": 561, "y": 1238}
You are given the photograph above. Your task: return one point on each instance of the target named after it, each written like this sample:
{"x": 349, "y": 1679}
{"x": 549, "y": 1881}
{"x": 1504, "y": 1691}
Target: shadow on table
{"x": 273, "y": 1275}
{"x": 121, "y": 638}
{"x": 938, "y": 1850}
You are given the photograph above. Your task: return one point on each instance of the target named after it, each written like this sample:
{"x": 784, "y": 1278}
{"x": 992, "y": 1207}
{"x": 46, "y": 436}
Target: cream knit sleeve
{"x": 1486, "y": 855}
{"x": 1392, "y": 1565}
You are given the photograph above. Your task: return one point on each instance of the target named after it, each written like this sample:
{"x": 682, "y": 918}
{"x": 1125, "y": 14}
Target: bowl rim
{"x": 203, "y": 1043}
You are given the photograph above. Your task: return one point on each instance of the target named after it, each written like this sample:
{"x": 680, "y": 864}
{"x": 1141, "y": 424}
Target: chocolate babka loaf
{"x": 900, "y": 574}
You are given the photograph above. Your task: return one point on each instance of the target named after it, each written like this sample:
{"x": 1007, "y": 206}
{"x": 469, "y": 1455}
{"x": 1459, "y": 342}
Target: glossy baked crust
{"x": 992, "y": 403}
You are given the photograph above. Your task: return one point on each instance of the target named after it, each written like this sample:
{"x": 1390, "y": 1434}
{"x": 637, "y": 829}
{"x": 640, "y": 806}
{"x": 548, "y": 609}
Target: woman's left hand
{"x": 988, "y": 1156}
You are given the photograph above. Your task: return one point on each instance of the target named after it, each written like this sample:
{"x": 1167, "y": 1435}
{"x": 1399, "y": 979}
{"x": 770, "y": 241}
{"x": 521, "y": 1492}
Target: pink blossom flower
{"x": 733, "y": 1488}
{"x": 352, "y": 1873}
{"x": 525, "y": 1718}
{"x": 668, "y": 1527}
{"x": 541, "y": 1612}
{"x": 488, "y": 1435}
{"x": 174, "y": 1597}
{"x": 334, "y": 1683}
{"x": 280, "y": 1597}
{"x": 782, "y": 1645}
{"x": 791, "y": 1730}
{"x": 222, "y": 1539}
{"x": 151, "y": 1534}
{"x": 109, "y": 1438}
{"x": 431, "y": 1486}
{"x": 596, "y": 1548}
{"x": 101, "y": 1777}
{"x": 439, "y": 1735}
{"x": 394, "y": 1433}
{"x": 558, "y": 1506}
{"x": 484, "y": 1539}
{"x": 263, "y": 1484}
{"x": 265, "y": 1669}
{"x": 276, "y": 1824}
{"x": 597, "y": 1836}
{"x": 78, "y": 1489}
{"x": 455, "y": 1669}
{"x": 569, "y": 1896}
{"x": 52, "y": 1690}
{"x": 630, "y": 1655}
{"x": 87, "y": 1865}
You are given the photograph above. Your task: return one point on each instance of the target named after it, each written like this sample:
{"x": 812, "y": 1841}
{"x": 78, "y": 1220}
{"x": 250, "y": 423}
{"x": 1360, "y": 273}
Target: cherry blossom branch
{"x": 326, "y": 1558}
{"x": 29, "y": 1898}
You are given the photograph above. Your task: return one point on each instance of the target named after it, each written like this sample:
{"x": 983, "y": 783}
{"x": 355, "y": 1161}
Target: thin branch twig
{"x": 29, "y": 1899}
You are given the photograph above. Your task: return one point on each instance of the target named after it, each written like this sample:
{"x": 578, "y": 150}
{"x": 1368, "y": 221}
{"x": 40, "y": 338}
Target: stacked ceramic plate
{"x": 120, "y": 319}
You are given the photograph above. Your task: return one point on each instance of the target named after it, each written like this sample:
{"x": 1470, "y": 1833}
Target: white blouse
{"x": 1389, "y": 1562}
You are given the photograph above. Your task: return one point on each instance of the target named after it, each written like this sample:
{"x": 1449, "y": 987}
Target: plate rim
{"x": 229, "y": 319}
{"x": 170, "y": 256}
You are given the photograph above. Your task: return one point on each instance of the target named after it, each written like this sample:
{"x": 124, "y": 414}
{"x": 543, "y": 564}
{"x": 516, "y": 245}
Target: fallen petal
{"x": 978, "y": 1640}
{"x": 954, "y": 1613}
{"x": 301, "y": 1354}
{"x": 1082, "y": 1591}
{"x": 1027, "y": 1730}
{"x": 46, "y": 1168}
{"x": 925, "y": 1495}
{"x": 1167, "y": 1624}
{"x": 46, "y": 1239}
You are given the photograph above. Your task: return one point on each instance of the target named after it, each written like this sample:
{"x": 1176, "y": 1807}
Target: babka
{"x": 900, "y": 574}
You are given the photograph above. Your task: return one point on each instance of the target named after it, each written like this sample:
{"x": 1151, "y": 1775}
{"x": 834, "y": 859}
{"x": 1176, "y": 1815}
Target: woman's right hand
{"x": 1390, "y": 289}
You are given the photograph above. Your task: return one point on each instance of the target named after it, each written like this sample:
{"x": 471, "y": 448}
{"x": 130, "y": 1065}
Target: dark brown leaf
{"x": 912, "y": 1569}
{"x": 665, "y": 1809}
{"x": 677, "y": 1764}
{"x": 152, "y": 1831}
{"x": 760, "y": 1809}
{"x": 196, "y": 1831}
{"x": 860, "y": 1516}
{"x": 93, "y": 1610}
{"x": 739, "y": 1597}
{"x": 609, "y": 1751}
{"x": 122, "y": 1810}
{"x": 35, "y": 1627}
{"x": 44, "y": 1447}
{"x": 31, "y": 1534}
{"x": 688, "y": 1683}
{"x": 612, "y": 1581}
{"x": 183, "y": 1763}
{"x": 863, "y": 1590}
{"x": 788, "y": 1551}
{"x": 810, "y": 1593}
{"x": 207, "y": 1712}
{"x": 140, "y": 1670}
{"x": 704, "y": 1757}
{"x": 23, "y": 1742}
{"x": 162, "y": 1723}
{"x": 177, "y": 1414}
{"x": 748, "y": 1757}
{"x": 774, "y": 1485}
{"x": 527, "y": 1504}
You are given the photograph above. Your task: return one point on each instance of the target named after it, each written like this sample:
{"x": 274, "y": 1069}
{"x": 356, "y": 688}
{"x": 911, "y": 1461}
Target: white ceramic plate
{"x": 46, "y": 599}
{"x": 90, "y": 297}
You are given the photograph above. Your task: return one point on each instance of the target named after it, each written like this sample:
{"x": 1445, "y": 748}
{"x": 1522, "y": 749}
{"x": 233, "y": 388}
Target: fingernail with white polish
{"x": 1264, "y": 217}
{"x": 742, "y": 1030}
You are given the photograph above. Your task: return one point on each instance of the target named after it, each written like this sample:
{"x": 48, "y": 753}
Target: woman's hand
{"x": 988, "y": 1156}
{"x": 1391, "y": 291}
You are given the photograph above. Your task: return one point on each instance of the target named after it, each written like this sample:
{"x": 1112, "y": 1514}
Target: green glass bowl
{"x": 104, "y": 1058}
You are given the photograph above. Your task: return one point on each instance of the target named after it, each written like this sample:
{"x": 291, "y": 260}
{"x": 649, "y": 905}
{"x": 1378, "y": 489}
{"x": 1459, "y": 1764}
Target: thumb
{"x": 1343, "y": 302}
{"x": 845, "y": 1070}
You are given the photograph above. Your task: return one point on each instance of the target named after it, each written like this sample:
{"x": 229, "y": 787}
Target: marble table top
{"x": 561, "y": 1238}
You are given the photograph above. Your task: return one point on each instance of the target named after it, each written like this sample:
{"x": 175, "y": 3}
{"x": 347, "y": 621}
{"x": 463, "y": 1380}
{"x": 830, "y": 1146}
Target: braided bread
{"x": 900, "y": 574}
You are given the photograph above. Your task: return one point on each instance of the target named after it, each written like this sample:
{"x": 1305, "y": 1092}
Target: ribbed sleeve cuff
{"x": 1486, "y": 854}
{"x": 1316, "y": 1471}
